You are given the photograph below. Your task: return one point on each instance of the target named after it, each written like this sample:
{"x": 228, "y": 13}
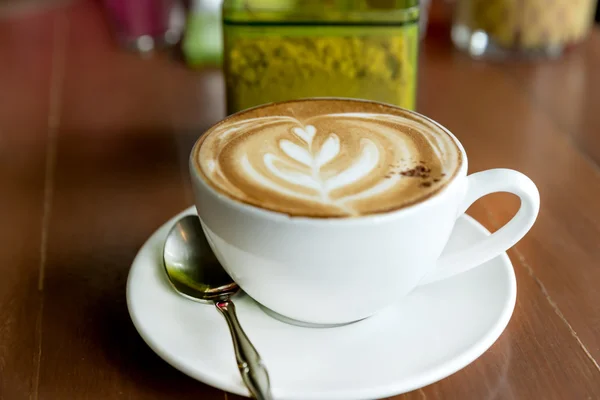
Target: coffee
{"x": 327, "y": 157}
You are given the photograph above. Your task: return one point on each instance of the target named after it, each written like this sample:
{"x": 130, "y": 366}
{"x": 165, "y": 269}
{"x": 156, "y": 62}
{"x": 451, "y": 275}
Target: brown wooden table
{"x": 93, "y": 150}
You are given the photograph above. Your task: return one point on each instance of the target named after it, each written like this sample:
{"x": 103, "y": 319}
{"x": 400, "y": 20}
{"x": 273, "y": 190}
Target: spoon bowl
{"x": 195, "y": 273}
{"x": 191, "y": 265}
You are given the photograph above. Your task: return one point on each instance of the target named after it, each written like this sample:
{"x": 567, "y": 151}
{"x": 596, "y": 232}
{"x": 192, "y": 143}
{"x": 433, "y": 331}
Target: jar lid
{"x": 379, "y": 11}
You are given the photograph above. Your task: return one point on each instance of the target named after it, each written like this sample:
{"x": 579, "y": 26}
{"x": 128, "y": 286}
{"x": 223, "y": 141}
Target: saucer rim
{"x": 442, "y": 371}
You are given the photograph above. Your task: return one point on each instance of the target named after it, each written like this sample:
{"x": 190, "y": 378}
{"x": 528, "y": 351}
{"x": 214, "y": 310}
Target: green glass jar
{"x": 277, "y": 50}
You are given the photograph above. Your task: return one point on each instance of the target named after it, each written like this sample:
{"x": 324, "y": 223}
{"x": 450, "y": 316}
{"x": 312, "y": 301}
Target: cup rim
{"x": 377, "y": 217}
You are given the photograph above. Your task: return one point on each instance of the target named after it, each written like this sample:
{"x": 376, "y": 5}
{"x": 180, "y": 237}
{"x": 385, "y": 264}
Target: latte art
{"x": 333, "y": 163}
{"x": 314, "y": 161}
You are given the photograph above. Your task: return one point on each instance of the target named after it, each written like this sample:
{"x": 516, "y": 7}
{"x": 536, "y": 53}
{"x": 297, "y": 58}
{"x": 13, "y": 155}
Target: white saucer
{"x": 434, "y": 332}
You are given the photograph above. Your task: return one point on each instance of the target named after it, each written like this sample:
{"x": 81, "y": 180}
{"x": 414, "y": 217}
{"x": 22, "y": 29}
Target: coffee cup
{"x": 311, "y": 250}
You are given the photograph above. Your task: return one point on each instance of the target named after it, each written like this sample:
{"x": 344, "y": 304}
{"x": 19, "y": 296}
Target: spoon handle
{"x": 251, "y": 367}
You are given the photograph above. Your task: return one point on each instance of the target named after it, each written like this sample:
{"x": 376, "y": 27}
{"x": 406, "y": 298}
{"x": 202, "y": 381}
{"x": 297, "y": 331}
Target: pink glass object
{"x": 143, "y": 25}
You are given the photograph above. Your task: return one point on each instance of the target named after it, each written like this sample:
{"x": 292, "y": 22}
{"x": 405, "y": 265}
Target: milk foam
{"x": 330, "y": 164}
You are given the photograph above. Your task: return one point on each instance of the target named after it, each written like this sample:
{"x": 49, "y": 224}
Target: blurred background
{"x": 273, "y": 50}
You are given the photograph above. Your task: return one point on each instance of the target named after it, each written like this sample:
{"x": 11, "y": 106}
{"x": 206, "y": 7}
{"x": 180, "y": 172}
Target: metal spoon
{"x": 195, "y": 273}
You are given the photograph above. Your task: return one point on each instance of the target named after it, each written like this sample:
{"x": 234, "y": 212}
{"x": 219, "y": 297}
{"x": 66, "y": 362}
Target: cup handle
{"x": 479, "y": 185}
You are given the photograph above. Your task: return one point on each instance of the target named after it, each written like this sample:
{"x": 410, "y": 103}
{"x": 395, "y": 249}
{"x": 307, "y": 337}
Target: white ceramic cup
{"x": 340, "y": 270}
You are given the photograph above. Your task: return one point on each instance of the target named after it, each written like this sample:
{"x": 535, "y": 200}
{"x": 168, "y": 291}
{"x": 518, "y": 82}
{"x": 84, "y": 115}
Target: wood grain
{"x": 114, "y": 171}
{"x": 25, "y": 79}
{"x": 571, "y": 98}
{"x": 94, "y": 144}
{"x": 562, "y": 249}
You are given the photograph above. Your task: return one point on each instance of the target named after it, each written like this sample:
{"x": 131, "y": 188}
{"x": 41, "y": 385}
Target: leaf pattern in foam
{"x": 295, "y": 152}
{"x": 307, "y": 134}
{"x": 329, "y": 150}
{"x": 290, "y": 175}
{"x": 369, "y": 157}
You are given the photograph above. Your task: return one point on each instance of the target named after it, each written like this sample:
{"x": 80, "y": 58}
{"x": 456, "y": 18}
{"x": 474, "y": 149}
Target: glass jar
{"x": 144, "y": 25}
{"x": 277, "y": 50}
{"x": 523, "y": 28}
